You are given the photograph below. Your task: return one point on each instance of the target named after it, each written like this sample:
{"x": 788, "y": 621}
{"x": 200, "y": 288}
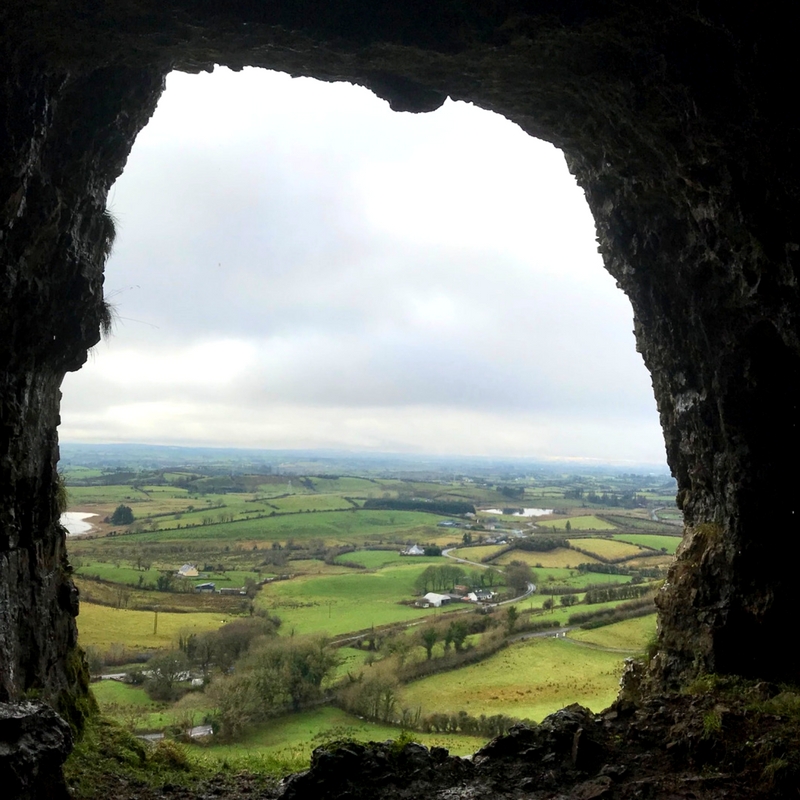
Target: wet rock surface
{"x": 34, "y": 742}
{"x": 675, "y": 121}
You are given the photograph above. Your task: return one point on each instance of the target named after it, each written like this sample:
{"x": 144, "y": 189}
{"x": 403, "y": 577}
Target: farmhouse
{"x": 414, "y": 550}
{"x": 188, "y": 571}
{"x": 480, "y": 596}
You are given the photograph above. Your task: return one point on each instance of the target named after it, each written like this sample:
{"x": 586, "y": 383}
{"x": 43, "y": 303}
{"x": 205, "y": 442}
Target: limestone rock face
{"x": 34, "y": 741}
{"x": 674, "y": 120}
{"x": 62, "y": 141}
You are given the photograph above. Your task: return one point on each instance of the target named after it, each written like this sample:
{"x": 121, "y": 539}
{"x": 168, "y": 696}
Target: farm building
{"x": 188, "y": 571}
{"x": 205, "y": 587}
{"x": 414, "y": 550}
{"x": 434, "y": 600}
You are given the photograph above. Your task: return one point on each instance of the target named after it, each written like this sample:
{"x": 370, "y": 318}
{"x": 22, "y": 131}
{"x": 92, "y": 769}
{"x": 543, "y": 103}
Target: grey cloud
{"x": 285, "y": 239}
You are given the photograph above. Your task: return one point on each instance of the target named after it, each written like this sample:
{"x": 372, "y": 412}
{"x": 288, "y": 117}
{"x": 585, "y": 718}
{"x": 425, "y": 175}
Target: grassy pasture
{"x": 292, "y": 736}
{"x": 102, "y": 627}
{"x": 630, "y": 634}
{"x": 351, "y": 661}
{"x": 349, "y": 485}
{"x": 108, "y": 594}
{"x": 333, "y": 527}
{"x": 168, "y": 491}
{"x": 130, "y": 706}
{"x": 125, "y": 573}
{"x": 377, "y": 559}
{"x": 561, "y": 557}
{"x": 587, "y": 522}
{"x": 476, "y": 553}
{"x": 310, "y": 502}
{"x": 656, "y": 542}
{"x": 571, "y": 577}
{"x": 77, "y": 473}
{"x": 129, "y": 575}
{"x": 313, "y": 566}
{"x": 530, "y": 680}
{"x": 338, "y": 604}
{"x": 647, "y": 562}
{"x": 607, "y": 548}
{"x": 641, "y": 524}
{"x": 80, "y": 496}
{"x": 122, "y": 695}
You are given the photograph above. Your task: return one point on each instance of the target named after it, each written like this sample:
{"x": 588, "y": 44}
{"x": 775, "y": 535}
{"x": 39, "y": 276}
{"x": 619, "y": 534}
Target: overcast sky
{"x": 298, "y": 266}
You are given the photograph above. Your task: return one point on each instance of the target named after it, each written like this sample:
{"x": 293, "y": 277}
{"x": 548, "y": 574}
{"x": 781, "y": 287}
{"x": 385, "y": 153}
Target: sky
{"x": 298, "y": 266}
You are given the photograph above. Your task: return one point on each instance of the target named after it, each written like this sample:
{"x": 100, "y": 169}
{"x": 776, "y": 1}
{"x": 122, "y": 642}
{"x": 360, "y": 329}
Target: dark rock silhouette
{"x": 674, "y": 117}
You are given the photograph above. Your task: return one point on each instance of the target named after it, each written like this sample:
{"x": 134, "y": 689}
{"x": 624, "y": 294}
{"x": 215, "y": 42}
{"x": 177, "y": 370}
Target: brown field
{"x": 108, "y": 594}
{"x": 478, "y": 552}
{"x": 103, "y": 627}
{"x": 561, "y": 557}
{"x": 655, "y": 561}
{"x": 607, "y": 548}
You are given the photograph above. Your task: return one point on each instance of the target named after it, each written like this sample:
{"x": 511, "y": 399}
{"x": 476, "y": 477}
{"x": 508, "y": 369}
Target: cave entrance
{"x": 297, "y": 266}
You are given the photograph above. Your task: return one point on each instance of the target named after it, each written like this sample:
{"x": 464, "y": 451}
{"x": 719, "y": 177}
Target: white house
{"x": 414, "y": 550}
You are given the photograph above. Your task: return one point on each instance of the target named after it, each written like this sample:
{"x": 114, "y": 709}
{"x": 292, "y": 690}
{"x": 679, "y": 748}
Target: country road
{"x": 530, "y": 590}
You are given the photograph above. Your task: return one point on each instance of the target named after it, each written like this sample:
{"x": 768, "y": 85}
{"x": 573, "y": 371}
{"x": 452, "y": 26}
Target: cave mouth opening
{"x": 298, "y": 266}
{"x": 294, "y": 250}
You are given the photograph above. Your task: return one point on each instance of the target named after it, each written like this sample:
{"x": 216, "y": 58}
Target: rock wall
{"x": 673, "y": 120}
{"x": 59, "y": 158}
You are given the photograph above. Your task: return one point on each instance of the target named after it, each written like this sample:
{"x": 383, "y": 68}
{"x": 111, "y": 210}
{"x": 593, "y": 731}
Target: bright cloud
{"x": 298, "y": 266}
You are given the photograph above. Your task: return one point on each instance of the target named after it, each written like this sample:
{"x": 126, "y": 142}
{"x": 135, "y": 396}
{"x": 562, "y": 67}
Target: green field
{"x": 293, "y": 736}
{"x": 129, "y": 575}
{"x": 630, "y": 634}
{"x": 338, "y": 604}
{"x": 377, "y": 559}
{"x": 249, "y": 526}
{"x": 310, "y": 502}
{"x": 349, "y": 485}
{"x": 606, "y": 548}
{"x": 130, "y": 706}
{"x": 80, "y": 496}
{"x": 654, "y": 541}
{"x": 476, "y": 553}
{"x": 527, "y": 680}
{"x": 121, "y": 695}
{"x": 334, "y": 527}
{"x": 560, "y": 557}
{"x": 572, "y": 577}
{"x": 582, "y": 523}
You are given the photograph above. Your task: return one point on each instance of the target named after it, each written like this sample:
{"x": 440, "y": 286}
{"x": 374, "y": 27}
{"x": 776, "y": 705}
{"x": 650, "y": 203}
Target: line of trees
{"x": 444, "y": 507}
{"x": 625, "y": 592}
{"x": 439, "y": 578}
